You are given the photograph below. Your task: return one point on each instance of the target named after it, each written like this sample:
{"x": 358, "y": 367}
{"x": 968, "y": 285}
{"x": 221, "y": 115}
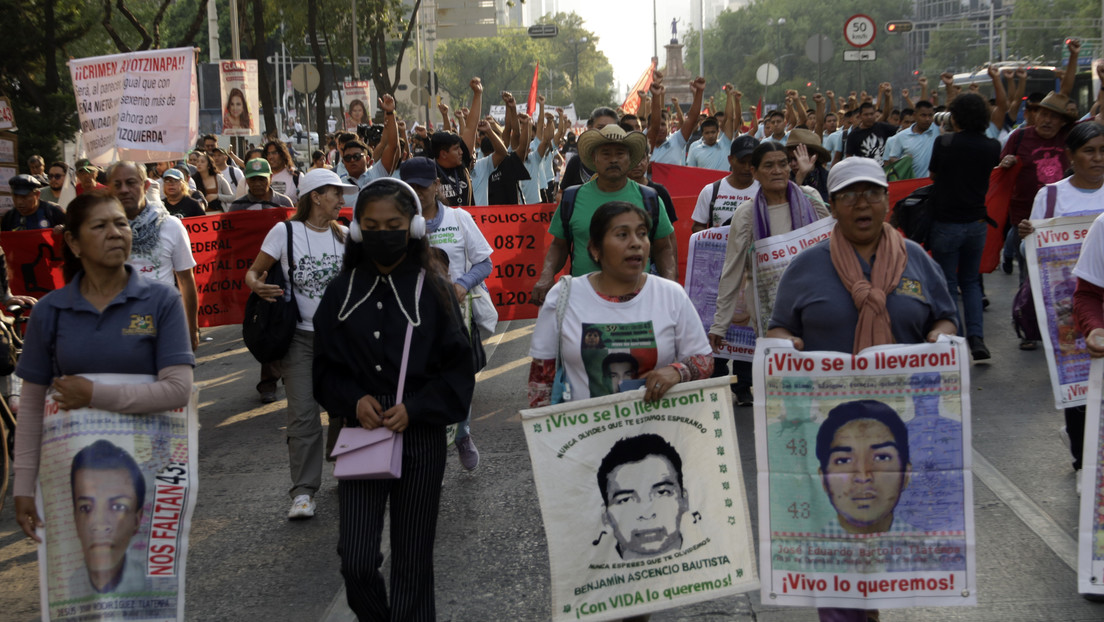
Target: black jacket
{"x": 362, "y": 355}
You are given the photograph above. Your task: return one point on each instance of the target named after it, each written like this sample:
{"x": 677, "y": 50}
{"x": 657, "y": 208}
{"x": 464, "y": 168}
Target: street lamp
{"x": 776, "y": 24}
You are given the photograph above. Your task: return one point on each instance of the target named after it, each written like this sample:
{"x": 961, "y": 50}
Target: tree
{"x": 740, "y": 41}
{"x": 1049, "y": 42}
{"x": 506, "y": 62}
{"x": 947, "y": 51}
{"x": 30, "y": 74}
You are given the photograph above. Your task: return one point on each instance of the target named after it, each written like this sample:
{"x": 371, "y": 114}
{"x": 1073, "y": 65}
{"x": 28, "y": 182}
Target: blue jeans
{"x": 957, "y": 248}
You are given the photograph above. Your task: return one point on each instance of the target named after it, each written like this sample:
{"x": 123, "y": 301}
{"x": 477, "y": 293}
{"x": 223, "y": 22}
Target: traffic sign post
{"x": 859, "y": 31}
{"x": 305, "y": 79}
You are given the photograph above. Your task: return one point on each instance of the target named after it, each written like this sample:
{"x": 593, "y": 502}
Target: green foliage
{"x": 740, "y": 41}
{"x": 506, "y": 63}
{"x": 1049, "y": 42}
{"x": 949, "y": 50}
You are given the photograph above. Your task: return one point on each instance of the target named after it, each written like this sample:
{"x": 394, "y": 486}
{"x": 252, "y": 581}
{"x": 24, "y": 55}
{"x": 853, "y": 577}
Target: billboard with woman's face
{"x": 240, "y": 99}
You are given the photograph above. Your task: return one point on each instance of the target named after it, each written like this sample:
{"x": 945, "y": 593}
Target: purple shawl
{"x": 801, "y": 210}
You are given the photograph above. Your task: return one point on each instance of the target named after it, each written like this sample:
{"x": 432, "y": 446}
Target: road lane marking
{"x": 220, "y": 355}
{"x": 1032, "y": 515}
{"x": 487, "y": 374}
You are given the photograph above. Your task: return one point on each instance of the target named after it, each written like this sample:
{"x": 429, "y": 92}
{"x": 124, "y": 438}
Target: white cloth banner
{"x": 1052, "y": 252}
{"x": 1090, "y": 541}
{"x": 864, "y": 467}
{"x": 773, "y": 254}
{"x": 704, "y": 263}
{"x": 140, "y": 106}
{"x": 241, "y": 102}
{"x": 115, "y": 540}
{"x": 643, "y": 503}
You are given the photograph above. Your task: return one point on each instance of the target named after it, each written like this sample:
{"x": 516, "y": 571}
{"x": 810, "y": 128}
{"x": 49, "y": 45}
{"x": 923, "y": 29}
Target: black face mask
{"x": 385, "y": 248}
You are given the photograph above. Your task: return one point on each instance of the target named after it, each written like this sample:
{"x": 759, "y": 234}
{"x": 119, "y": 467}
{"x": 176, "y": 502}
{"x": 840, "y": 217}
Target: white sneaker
{"x": 301, "y": 507}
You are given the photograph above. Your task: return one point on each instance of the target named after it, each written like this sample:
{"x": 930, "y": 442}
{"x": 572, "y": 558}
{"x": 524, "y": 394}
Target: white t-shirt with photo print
{"x": 317, "y": 255}
{"x": 656, "y": 328}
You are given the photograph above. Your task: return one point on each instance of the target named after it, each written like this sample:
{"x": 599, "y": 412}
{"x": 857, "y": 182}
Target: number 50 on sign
{"x": 859, "y": 30}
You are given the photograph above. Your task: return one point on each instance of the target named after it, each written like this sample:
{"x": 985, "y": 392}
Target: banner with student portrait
{"x": 357, "y": 95}
{"x": 600, "y": 463}
{"x": 704, "y": 263}
{"x": 1090, "y": 541}
{"x": 140, "y": 106}
{"x": 1052, "y": 252}
{"x": 116, "y": 494}
{"x": 241, "y": 101}
{"x": 771, "y": 257}
{"x": 864, "y": 476}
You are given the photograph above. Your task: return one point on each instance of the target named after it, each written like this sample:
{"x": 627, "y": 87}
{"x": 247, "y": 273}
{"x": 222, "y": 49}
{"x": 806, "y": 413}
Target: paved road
{"x": 247, "y": 562}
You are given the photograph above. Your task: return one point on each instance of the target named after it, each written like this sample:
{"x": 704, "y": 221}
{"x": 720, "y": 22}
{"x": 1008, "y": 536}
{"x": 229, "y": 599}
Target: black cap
{"x": 24, "y": 184}
{"x": 743, "y": 146}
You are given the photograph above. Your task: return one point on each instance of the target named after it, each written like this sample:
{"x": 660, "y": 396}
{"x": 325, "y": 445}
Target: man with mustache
{"x": 611, "y": 153}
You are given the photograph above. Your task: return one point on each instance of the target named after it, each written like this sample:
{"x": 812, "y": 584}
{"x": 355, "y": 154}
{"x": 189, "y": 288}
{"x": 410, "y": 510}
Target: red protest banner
{"x": 34, "y": 261}
{"x": 224, "y": 246}
{"x": 519, "y": 236}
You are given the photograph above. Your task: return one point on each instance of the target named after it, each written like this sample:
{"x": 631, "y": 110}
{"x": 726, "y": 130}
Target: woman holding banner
{"x": 314, "y": 259}
{"x": 1081, "y": 194}
{"x": 621, "y": 328}
{"x": 392, "y": 311}
{"x": 107, "y": 319}
{"x": 864, "y": 286}
{"x": 779, "y": 207}
{"x": 216, "y": 190}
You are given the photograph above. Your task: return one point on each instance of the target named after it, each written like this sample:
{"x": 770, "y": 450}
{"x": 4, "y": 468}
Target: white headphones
{"x": 417, "y": 223}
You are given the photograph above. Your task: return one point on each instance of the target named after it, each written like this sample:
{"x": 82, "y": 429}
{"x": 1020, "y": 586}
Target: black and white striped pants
{"x": 415, "y": 499}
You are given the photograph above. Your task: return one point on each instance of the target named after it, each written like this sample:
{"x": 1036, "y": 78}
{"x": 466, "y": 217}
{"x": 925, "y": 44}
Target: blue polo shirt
{"x": 705, "y": 156}
{"x": 671, "y": 151}
{"x": 917, "y": 145}
{"x": 141, "y": 331}
{"x": 813, "y": 304}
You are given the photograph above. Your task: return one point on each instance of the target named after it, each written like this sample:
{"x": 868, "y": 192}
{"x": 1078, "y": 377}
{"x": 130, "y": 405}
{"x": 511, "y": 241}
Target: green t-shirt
{"x": 587, "y": 201}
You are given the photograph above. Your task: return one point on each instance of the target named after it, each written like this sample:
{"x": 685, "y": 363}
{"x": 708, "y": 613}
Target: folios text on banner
{"x": 864, "y": 469}
{"x": 357, "y": 95}
{"x": 773, "y": 254}
{"x": 1090, "y": 542}
{"x": 704, "y": 263}
{"x": 643, "y": 503}
{"x": 240, "y": 99}
{"x": 140, "y": 106}
{"x": 1052, "y": 252}
{"x": 116, "y": 494}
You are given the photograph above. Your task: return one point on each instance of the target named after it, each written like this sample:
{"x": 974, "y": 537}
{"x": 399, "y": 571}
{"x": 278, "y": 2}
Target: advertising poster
{"x": 116, "y": 494}
{"x": 1090, "y": 541}
{"x": 704, "y": 263}
{"x": 359, "y": 105}
{"x": 643, "y": 503}
{"x": 864, "y": 476}
{"x": 773, "y": 255}
{"x": 1052, "y": 252}
{"x": 241, "y": 102}
{"x": 140, "y": 106}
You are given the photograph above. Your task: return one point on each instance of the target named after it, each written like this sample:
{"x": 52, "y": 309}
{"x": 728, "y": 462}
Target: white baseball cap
{"x": 319, "y": 177}
{"x": 853, "y": 170}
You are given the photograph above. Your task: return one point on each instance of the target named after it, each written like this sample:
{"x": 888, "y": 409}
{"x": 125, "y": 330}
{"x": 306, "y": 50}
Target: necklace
{"x": 599, "y": 280}
{"x": 343, "y": 315}
{"x": 314, "y": 227}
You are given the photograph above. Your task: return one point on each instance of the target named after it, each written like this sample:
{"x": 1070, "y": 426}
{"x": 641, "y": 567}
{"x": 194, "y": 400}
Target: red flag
{"x": 531, "y": 103}
{"x": 758, "y": 111}
{"x": 643, "y": 83}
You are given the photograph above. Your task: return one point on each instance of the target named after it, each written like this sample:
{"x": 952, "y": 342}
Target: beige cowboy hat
{"x": 590, "y": 140}
{"x": 812, "y": 143}
{"x": 1056, "y": 103}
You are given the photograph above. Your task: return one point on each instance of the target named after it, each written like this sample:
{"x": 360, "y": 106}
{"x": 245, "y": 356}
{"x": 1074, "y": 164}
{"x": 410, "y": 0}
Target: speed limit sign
{"x": 859, "y": 30}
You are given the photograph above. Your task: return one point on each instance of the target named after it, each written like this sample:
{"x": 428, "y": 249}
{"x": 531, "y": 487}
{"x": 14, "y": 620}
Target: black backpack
{"x": 268, "y": 327}
{"x": 913, "y": 215}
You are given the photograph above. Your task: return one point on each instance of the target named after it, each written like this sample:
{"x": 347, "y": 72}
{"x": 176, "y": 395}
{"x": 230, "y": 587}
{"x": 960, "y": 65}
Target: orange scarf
{"x": 891, "y": 256}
